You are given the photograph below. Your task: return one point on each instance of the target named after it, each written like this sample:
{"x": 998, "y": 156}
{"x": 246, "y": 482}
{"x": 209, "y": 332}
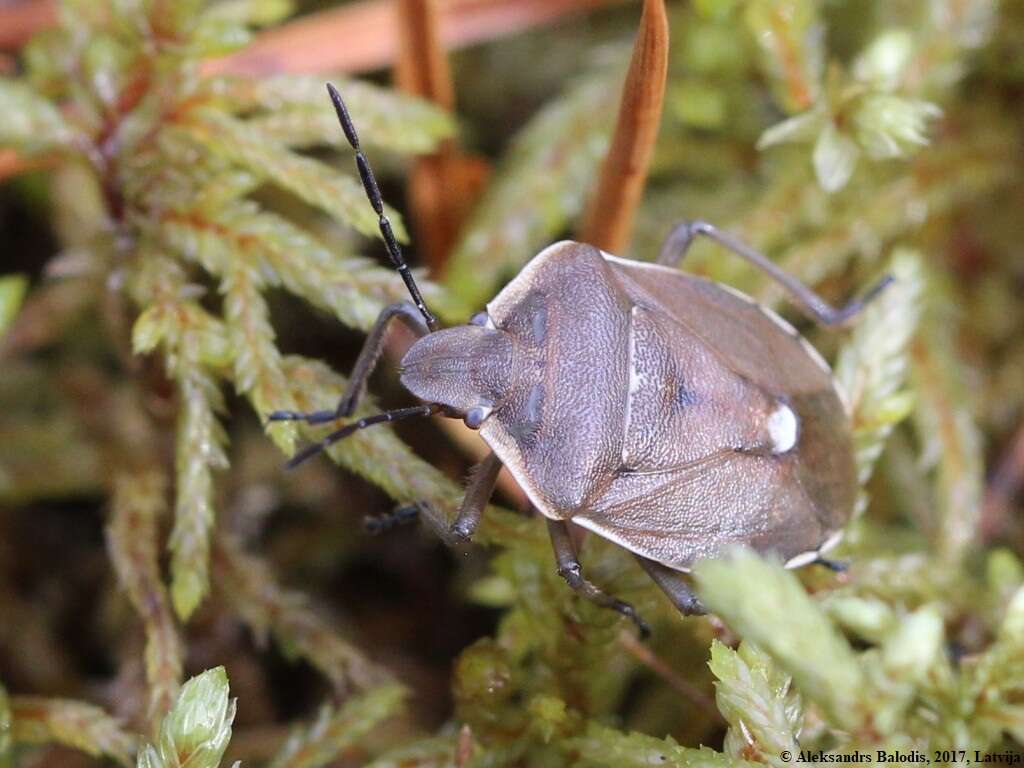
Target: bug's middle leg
{"x": 482, "y": 479}
{"x": 675, "y": 586}
{"x": 682, "y": 236}
{"x": 569, "y": 568}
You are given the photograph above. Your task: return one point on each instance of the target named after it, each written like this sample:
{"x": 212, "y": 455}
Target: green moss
{"x": 198, "y": 217}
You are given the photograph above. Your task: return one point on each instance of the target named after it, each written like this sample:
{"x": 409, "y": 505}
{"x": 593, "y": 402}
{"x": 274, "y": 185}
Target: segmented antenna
{"x": 373, "y": 195}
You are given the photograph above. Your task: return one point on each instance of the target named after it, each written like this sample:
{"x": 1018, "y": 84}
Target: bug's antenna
{"x": 368, "y": 421}
{"x": 373, "y": 194}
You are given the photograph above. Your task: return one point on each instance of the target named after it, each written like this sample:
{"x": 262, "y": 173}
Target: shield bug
{"x": 664, "y": 412}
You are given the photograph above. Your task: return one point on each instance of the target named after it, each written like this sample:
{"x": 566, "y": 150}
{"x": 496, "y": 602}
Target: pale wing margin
{"x": 697, "y": 510}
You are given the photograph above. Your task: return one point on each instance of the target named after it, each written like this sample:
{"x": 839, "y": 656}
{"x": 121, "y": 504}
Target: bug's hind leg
{"x": 368, "y": 358}
{"x": 569, "y": 568}
{"x": 681, "y": 238}
{"x": 482, "y": 480}
{"x": 674, "y": 585}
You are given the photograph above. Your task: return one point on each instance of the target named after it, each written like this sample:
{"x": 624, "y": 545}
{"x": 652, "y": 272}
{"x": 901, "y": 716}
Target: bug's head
{"x": 467, "y": 369}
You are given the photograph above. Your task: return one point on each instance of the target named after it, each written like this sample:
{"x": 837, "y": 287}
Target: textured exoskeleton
{"x": 660, "y": 410}
{"x": 664, "y": 412}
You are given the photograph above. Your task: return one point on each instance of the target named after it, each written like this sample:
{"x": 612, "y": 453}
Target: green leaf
{"x": 768, "y": 606}
{"x": 257, "y": 362}
{"x": 430, "y": 752}
{"x": 603, "y": 746}
{"x": 354, "y": 289}
{"x": 755, "y": 697}
{"x": 799, "y": 128}
{"x": 149, "y": 330}
{"x": 133, "y": 544}
{"x": 882, "y": 64}
{"x": 915, "y": 645}
{"x": 295, "y": 110}
{"x": 945, "y": 422}
{"x": 867, "y": 618}
{"x": 257, "y": 13}
{"x": 196, "y": 732}
{"x": 835, "y": 156}
{"x": 249, "y": 586}
{"x": 889, "y": 126}
{"x": 336, "y": 730}
{"x": 12, "y": 293}
{"x": 76, "y": 724}
{"x": 310, "y": 180}
{"x": 872, "y": 366}
{"x": 198, "y": 451}
{"x": 29, "y": 122}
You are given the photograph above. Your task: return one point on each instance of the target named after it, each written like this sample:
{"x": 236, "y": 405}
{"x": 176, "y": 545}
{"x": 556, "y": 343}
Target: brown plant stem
{"x": 370, "y": 32}
{"x": 652, "y": 661}
{"x": 609, "y": 220}
{"x": 19, "y": 21}
{"x": 1006, "y": 482}
{"x": 310, "y": 44}
{"x": 437, "y": 184}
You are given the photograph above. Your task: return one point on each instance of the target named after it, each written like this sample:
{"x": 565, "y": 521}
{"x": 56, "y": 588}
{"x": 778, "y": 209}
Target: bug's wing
{"x": 706, "y": 460}
{"x": 755, "y": 342}
{"x": 698, "y": 509}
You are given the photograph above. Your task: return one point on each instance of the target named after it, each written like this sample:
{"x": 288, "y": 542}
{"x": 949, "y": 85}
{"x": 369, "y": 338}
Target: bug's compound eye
{"x": 475, "y": 416}
{"x": 480, "y": 318}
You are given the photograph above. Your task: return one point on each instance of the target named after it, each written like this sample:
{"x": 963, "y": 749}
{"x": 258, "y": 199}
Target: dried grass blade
{"x": 609, "y": 220}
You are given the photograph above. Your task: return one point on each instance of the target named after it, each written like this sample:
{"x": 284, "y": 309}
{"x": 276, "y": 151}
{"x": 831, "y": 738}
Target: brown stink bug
{"x": 669, "y": 414}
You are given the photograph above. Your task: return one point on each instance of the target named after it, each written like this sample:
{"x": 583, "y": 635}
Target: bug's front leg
{"x": 674, "y": 585}
{"x": 569, "y": 568}
{"x": 368, "y": 358}
{"x": 682, "y": 236}
{"x": 482, "y": 479}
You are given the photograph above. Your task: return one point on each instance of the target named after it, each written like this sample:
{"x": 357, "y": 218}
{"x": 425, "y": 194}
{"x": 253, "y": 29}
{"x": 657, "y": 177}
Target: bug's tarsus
{"x": 682, "y": 236}
{"x": 675, "y": 587}
{"x": 482, "y": 480}
{"x": 368, "y": 421}
{"x": 478, "y": 492}
{"x": 314, "y": 417}
{"x": 836, "y": 566}
{"x": 374, "y": 196}
{"x": 398, "y": 516}
{"x": 569, "y": 568}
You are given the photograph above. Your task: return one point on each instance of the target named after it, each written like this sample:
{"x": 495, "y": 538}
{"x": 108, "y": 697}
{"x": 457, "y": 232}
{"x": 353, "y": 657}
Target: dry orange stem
{"x": 1007, "y": 480}
{"x": 18, "y": 22}
{"x": 609, "y": 220}
{"x": 438, "y": 191}
{"x": 364, "y": 35}
{"x": 350, "y": 38}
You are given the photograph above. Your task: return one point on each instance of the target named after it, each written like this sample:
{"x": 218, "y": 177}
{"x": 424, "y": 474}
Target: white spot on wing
{"x": 783, "y": 428}
{"x": 804, "y": 558}
{"x": 831, "y": 542}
